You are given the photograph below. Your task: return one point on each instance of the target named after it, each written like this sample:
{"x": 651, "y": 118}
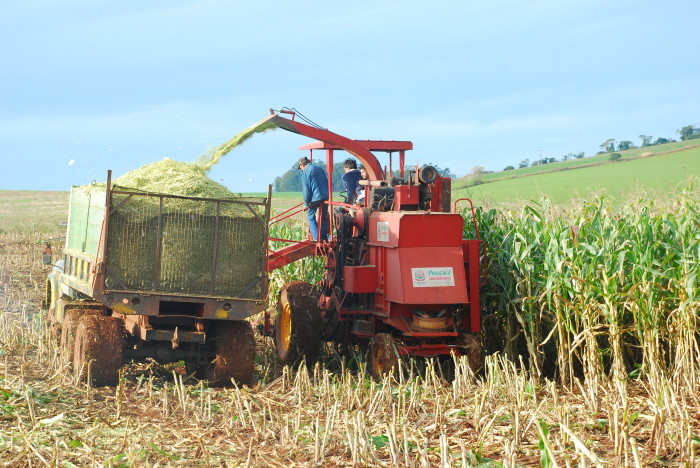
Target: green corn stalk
{"x": 613, "y": 290}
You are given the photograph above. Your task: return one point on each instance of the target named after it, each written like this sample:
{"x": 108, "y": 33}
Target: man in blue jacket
{"x": 314, "y": 188}
{"x": 350, "y": 179}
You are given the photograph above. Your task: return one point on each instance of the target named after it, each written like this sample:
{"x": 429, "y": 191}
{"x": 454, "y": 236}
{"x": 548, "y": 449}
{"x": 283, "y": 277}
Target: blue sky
{"x": 87, "y": 86}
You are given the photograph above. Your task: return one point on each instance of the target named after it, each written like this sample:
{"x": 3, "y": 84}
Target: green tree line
{"x": 611, "y": 145}
{"x": 689, "y": 132}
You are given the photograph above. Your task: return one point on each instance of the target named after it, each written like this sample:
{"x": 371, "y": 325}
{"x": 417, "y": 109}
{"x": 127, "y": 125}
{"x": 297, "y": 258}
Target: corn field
{"x": 595, "y": 294}
{"x": 589, "y": 319}
{"x": 308, "y": 269}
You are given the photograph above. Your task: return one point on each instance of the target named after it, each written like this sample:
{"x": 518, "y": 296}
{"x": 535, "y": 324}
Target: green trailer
{"x": 152, "y": 275}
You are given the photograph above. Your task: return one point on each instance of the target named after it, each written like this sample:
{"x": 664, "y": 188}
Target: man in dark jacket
{"x": 314, "y": 188}
{"x": 350, "y": 179}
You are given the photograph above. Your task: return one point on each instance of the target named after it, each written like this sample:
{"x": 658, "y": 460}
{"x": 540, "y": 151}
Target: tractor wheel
{"x": 383, "y": 356}
{"x": 472, "y": 349}
{"x": 71, "y": 318}
{"x": 99, "y": 344}
{"x": 298, "y": 323}
{"x": 194, "y": 369}
{"x": 70, "y": 323}
{"x": 235, "y": 354}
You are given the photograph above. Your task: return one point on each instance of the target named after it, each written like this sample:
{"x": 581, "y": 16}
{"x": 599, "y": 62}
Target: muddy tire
{"x": 471, "y": 347}
{"x": 192, "y": 368}
{"x": 55, "y": 334}
{"x": 235, "y": 354}
{"x": 71, "y": 318}
{"x": 70, "y": 323}
{"x": 99, "y": 344}
{"x": 298, "y": 324}
{"x": 383, "y": 356}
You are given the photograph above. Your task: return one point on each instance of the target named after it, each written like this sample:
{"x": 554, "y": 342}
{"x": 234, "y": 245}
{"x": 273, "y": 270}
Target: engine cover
{"x": 418, "y": 257}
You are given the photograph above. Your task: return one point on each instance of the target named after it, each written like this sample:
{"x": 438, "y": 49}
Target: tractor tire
{"x": 194, "y": 369}
{"x": 383, "y": 356}
{"x": 70, "y": 323}
{"x": 99, "y": 343}
{"x": 471, "y": 348}
{"x": 298, "y": 324}
{"x": 71, "y": 318}
{"x": 235, "y": 355}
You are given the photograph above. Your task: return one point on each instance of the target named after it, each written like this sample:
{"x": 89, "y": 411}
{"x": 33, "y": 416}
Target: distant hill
{"x": 659, "y": 168}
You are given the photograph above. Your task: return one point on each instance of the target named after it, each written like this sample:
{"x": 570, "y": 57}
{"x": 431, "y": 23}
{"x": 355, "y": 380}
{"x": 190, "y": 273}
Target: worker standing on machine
{"x": 360, "y": 200}
{"x": 314, "y": 188}
{"x": 350, "y": 179}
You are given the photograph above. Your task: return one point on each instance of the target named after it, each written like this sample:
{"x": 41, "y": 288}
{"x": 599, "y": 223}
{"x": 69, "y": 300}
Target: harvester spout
{"x": 364, "y": 155}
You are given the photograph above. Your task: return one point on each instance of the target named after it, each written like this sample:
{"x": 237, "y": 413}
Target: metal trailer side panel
{"x": 165, "y": 254}
{"x": 86, "y": 214}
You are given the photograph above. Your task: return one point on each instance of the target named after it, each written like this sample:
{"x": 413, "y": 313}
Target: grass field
{"x": 44, "y": 211}
{"x": 40, "y": 211}
{"x": 603, "y": 158}
{"x": 659, "y": 174}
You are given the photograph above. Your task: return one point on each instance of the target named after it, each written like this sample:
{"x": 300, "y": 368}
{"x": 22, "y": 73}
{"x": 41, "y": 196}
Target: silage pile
{"x": 167, "y": 177}
{"x": 174, "y": 178}
{"x": 190, "y": 260}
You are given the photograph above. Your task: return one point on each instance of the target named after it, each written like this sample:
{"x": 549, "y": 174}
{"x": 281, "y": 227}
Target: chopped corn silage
{"x": 174, "y": 178}
{"x": 188, "y": 230}
{"x": 207, "y": 160}
{"x": 170, "y": 178}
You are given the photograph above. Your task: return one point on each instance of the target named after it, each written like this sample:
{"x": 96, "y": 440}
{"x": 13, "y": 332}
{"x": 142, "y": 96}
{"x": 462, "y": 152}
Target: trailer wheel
{"x": 99, "y": 340}
{"x": 71, "y": 319}
{"x": 235, "y": 354}
{"x": 70, "y": 323}
{"x": 383, "y": 356}
{"x": 472, "y": 349}
{"x": 298, "y": 323}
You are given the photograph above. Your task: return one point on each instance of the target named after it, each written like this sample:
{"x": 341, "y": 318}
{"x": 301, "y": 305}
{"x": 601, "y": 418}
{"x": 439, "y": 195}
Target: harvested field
{"x": 524, "y": 411}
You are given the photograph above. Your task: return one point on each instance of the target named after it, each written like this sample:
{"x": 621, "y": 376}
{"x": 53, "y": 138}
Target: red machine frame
{"x": 417, "y": 235}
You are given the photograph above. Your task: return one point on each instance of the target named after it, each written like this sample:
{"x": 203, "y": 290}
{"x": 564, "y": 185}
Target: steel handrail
{"x": 478, "y": 238}
{"x": 275, "y": 219}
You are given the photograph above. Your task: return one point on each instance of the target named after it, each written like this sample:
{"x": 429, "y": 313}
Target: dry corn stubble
{"x": 340, "y": 417}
